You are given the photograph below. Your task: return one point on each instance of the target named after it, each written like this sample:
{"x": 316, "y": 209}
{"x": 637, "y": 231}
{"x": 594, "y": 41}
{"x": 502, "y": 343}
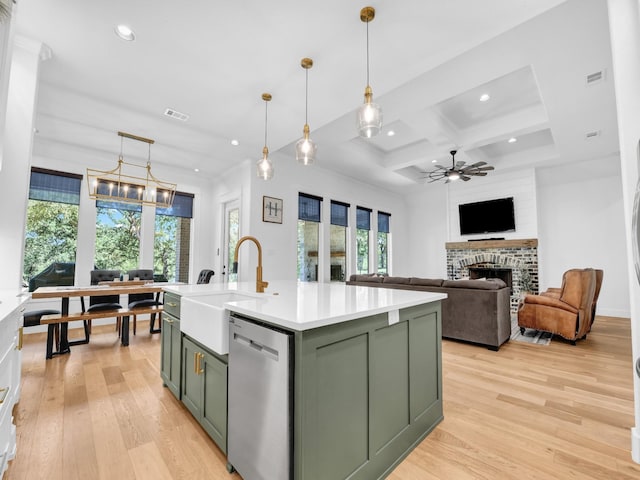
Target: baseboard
{"x": 635, "y": 444}
{"x": 614, "y": 312}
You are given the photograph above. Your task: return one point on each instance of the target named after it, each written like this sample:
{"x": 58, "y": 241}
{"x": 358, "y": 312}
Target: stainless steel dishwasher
{"x": 260, "y": 429}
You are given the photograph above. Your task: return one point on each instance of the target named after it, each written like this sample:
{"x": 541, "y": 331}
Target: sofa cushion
{"x": 426, "y": 282}
{"x": 397, "y": 280}
{"x": 366, "y": 278}
{"x": 491, "y": 284}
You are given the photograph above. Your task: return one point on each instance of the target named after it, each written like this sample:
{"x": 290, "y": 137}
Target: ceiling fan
{"x": 458, "y": 170}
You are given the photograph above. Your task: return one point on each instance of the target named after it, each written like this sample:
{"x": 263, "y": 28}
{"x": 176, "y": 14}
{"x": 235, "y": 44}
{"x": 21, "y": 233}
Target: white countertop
{"x": 10, "y": 300}
{"x": 305, "y": 305}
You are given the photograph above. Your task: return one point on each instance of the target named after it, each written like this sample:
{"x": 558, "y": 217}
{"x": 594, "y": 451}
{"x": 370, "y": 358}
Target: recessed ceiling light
{"x": 391, "y": 133}
{"x": 512, "y": 140}
{"x": 434, "y": 161}
{"x": 196, "y": 170}
{"x": 235, "y": 142}
{"x": 125, "y": 33}
{"x": 484, "y": 97}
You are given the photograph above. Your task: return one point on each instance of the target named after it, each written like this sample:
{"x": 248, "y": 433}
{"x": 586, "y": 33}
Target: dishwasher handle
{"x": 256, "y": 346}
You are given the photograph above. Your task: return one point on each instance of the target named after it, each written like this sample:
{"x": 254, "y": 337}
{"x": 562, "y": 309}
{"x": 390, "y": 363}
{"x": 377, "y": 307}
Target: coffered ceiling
{"x": 430, "y": 63}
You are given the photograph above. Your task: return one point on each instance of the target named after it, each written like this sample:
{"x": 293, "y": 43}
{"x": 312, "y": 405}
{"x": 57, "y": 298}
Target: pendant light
{"x": 369, "y": 114}
{"x": 306, "y": 148}
{"x": 265, "y": 167}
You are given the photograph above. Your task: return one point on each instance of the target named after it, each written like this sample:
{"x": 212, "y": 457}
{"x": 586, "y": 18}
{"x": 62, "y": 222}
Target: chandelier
{"x": 117, "y": 186}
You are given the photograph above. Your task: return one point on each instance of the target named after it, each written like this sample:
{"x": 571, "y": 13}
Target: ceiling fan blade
{"x": 487, "y": 168}
{"x": 460, "y": 163}
{"x": 476, "y": 165}
{"x": 440, "y": 166}
{"x": 465, "y": 178}
{"x": 478, "y": 174}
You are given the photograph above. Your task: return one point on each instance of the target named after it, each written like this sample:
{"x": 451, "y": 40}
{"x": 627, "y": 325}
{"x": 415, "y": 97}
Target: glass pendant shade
{"x": 369, "y": 116}
{"x": 306, "y": 148}
{"x": 453, "y": 176}
{"x": 264, "y": 166}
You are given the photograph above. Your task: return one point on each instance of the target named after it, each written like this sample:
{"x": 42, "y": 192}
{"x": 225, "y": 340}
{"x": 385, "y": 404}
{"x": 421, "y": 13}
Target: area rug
{"x": 530, "y": 335}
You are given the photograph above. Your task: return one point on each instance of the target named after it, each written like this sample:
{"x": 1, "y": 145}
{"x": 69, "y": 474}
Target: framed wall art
{"x": 271, "y": 209}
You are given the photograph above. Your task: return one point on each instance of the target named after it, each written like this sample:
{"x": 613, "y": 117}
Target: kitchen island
{"x": 365, "y": 374}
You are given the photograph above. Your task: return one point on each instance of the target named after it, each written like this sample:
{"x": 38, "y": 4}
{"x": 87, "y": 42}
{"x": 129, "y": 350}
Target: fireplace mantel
{"x": 518, "y": 243}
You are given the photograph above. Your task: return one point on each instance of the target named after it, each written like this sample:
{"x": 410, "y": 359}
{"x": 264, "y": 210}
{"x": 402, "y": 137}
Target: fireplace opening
{"x": 504, "y": 274}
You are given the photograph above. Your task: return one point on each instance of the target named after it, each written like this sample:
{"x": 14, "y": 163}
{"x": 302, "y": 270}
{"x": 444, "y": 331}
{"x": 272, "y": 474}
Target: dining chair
{"x": 103, "y": 302}
{"x": 137, "y": 300}
{"x": 205, "y": 276}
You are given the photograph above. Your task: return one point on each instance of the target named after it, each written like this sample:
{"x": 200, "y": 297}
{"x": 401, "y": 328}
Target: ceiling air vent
{"x": 170, "y": 112}
{"x": 590, "y": 135}
{"x": 595, "y": 77}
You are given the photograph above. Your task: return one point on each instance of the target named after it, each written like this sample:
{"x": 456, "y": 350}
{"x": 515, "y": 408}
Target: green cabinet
{"x": 204, "y": 389}
{"x": 171, "y": 351}
{"x": 366, "y": 392}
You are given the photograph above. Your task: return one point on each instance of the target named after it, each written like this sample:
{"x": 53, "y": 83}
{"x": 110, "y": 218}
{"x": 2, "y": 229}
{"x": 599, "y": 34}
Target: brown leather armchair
{"x": 555, "y": 292}
{"x": 570, "y": 314}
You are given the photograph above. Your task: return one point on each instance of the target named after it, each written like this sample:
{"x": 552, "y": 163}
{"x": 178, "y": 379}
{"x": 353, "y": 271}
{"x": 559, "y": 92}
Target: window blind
{"x": 53, "y": 186}
{"x": 182, "y": 206}
{"x": 363, "y": 218}
{"x": 383, "y": 222}
{"x": 309, "y": 207}
{"x": 339, "y": 213}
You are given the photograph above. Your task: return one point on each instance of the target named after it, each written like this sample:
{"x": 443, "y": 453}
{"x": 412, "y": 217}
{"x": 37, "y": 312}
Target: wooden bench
{"x": 52, "y": 321}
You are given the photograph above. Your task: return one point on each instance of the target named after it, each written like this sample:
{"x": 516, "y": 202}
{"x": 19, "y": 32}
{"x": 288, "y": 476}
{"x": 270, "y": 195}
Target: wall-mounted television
{"x": 490, "y": 216}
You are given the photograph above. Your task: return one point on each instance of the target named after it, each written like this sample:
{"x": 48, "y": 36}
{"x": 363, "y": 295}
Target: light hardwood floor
{"x": 525, "y": 412}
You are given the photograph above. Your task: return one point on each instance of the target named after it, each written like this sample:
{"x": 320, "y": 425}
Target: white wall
{"x": 521, "y": 186}
{"x": 428, "y": 220}
{"x": 279, "y": 241}
{"x": 582, "y": 225}
{"x": 576, "y": 215}
{"x": 624, "y": 27}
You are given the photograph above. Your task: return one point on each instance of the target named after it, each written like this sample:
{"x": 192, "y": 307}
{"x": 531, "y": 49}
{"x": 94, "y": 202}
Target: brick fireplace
{"x": 515, "y": 261}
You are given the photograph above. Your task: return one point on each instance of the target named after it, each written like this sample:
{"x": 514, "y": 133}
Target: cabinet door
{"x": 171, "y": 353}
{"x": 192, "y": 378}
{"x": 214, "y": 403}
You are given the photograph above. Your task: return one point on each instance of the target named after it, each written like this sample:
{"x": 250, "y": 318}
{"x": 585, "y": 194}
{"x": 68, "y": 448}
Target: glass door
{"x": 231, "y": 237}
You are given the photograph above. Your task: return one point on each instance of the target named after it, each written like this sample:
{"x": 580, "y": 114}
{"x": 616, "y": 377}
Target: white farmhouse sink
{"x": 205, "y": 319}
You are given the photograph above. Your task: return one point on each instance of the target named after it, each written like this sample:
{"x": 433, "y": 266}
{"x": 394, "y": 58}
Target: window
{"x": 172, "y": 240}
{"x": 117, "y": 235}
{"x": 308, "y": 236}
{"x": 363, "y": 225}
{"x": 52, "y": 224}
{"x": 383, "y": 242}
{"x": 338, "y": 240}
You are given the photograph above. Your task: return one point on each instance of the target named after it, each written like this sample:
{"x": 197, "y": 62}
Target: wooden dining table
{"x": 106, "y": 288}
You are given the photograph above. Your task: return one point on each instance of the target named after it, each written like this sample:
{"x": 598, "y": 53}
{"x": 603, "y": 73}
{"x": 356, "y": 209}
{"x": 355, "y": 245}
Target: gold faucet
{"x": 260, "y": 285}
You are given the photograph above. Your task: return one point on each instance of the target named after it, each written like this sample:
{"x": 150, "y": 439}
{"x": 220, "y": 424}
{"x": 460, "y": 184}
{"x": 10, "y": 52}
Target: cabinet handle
{"x": 20, "y": 333}
{"x": 195, "y": 363}
{"x": 171, "y": 304}
{"x": 200, "y": 369}
{"x": 3, "y": 394}
{"x": 168, "y": 320}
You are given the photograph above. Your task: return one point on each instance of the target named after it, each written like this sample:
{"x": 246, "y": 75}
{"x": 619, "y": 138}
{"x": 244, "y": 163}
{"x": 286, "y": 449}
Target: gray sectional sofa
{"x": 475, "y": 310}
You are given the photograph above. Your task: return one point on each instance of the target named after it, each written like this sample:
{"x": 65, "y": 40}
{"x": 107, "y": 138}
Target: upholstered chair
{"x": 103, "y": 302}
{"x": 205, "y": 276}
{"x": 143, "y": 299}
{"x": 555, "y": 292}
{"x": 570, "y": 314}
